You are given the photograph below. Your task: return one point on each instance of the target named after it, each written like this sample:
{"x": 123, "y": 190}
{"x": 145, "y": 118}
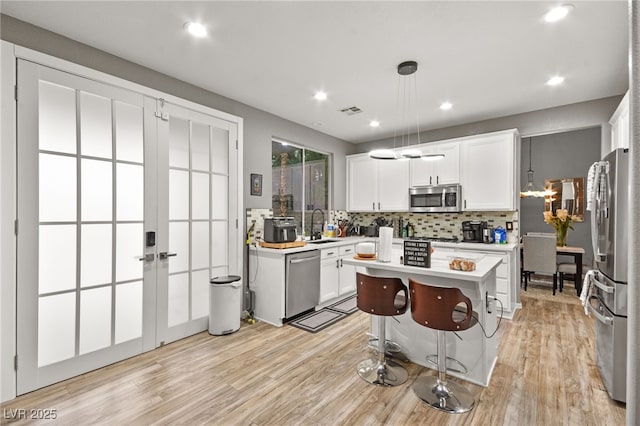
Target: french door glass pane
{"x": 219, "y": 249}
{"x": 57, "y": 258}
{"x": 220, "y": 152}
{"x": 200, "y": 196}
{"x": 95, "y": 319}
{"x": 129, "y": 249}
{"x": 130, "y": 192}
{"x": 200, "y": 294}
{"x": 56, "y": 328}
{"x": 178, "y": 309}
{"x": 95, "y": 126}
{"x": 199, "y": 245}
{"x": 57, "y": 118}
{"x": 200, "y": 147}
{"x": 219, "y": 197}
{"x": 178, "y": 143}
{"x": 96, "y": 190}
{"x": 95, "y": 254}
{"x": 129, "y": 134}
{"x": 179, "y": 243}
{"x": 178, "y": 195}
{"x": 128, "y": 311}
{"x": 57, "y": 191}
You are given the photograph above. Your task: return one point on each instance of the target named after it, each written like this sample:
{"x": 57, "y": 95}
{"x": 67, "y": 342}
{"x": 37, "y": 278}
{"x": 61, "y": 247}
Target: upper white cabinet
{"x": 620, "y": 125}
{"x": 438, "y": 172}
{"x": 377, "y": 185}
{"x": 488, "y": 171}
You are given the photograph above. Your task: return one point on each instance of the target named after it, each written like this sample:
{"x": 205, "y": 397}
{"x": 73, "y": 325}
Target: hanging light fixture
{"x": 530, "y": 189}
{"x": 405, "y": 68}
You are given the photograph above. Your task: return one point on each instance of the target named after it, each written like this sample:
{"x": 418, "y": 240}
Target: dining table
{"x": 573, "y": 251}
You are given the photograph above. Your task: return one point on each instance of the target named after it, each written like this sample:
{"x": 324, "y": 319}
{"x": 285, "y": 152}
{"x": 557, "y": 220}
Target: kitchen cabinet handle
{"x": 465, "y": 204}
{"x": 430, "y": 180}
{"x": 341, "y": 263}
{"x": 337, "y": 263}
{"x": 373, "y": 205}
{"x": 437, "y": 180}
{"x": 330, "y": 253}
{"x": 378, "y": 205}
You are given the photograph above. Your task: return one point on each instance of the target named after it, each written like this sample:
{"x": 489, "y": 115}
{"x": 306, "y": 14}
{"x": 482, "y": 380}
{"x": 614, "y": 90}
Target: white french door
{"x": 196, "y": 151}
{"x": 99, "y": 168}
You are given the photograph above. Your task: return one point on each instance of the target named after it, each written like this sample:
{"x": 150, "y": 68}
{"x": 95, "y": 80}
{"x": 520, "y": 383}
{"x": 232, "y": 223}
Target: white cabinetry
{"x": 620, "y": 125}
{"x": 436, "y": 172}
{"x": 347, "y": 272}
{"x": 329, "y": 274}
{"x": 336, "y": 278}
{"x": 507, "y": 282}
{"x": 488, "y": 171}
{"x": 377, "y": 185}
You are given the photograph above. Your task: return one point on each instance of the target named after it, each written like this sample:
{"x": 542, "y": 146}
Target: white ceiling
{"x": 490, "y": 59}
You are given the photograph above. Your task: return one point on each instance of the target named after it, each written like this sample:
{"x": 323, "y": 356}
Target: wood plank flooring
{"x": 263, "y": 375}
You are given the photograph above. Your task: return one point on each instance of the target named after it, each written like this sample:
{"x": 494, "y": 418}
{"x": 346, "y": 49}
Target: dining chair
{"x": 539, "y": 256}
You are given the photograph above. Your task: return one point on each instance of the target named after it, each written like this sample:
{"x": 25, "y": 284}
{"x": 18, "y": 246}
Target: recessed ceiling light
{"x": 320, "y": 96}
{"x": 554, "y": 81}
{"x": 374, "y": 123}
{"x": 558, "y": 13}
{"x": 446, "y": 105}
{"x": 196, "y": 29}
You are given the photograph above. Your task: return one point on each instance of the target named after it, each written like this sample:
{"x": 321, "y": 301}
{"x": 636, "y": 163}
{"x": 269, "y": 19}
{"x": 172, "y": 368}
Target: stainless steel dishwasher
{"x": 302, "y": 282}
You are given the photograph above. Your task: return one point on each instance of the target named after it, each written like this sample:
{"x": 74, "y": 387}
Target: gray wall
{"x": 560, "y": 155}
{"x": 560, "y": 119}
{"x": 259, "y": 126}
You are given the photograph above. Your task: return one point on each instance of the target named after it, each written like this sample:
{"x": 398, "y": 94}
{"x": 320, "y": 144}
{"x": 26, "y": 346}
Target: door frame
{"x": 8, "y": 207}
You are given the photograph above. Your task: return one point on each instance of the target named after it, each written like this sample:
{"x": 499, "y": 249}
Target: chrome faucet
{"x": 311, "y": 234}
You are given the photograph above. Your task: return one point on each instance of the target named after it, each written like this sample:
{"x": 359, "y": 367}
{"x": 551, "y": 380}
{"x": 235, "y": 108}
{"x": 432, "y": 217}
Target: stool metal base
{"x": 451, "y": 362}
{"x": 386, "y": 374}
{"x": 449, "y": 397}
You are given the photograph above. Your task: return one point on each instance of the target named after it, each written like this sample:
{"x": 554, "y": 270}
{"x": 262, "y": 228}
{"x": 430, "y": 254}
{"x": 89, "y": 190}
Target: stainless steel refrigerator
{"x": 608, "y": 303}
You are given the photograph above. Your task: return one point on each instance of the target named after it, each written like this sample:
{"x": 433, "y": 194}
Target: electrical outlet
{"x": 509, "y": 226}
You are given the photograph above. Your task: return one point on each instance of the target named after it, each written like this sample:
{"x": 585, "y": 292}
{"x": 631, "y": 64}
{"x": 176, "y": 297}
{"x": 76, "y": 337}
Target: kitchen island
{"x": 473, "y": 348}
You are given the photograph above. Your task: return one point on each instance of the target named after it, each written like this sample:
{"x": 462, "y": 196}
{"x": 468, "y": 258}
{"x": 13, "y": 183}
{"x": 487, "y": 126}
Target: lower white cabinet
{"x": 336, "y": 278}
{"x": 347, "y": 272}
{"x": 507, "y": 282}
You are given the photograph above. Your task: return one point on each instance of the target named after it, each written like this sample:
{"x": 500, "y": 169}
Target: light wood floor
{"x": 263, "y": 375}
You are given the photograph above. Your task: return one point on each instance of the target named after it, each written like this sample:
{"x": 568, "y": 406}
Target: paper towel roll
{"x": 386, "y": 242}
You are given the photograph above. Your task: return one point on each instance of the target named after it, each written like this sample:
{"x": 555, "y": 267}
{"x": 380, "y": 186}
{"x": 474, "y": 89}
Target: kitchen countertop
{"x": 336, "y": 242}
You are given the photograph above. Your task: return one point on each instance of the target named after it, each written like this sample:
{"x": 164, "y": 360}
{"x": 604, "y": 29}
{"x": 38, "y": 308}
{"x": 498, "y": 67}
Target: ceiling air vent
{"x": 351, "y": 110}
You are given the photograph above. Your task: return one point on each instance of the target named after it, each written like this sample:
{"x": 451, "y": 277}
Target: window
{"x": 300, "y": 185}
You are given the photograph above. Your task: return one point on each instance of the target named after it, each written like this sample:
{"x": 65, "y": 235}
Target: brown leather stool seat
{"x": 442, "y": 309}
{"x": 383, "y": 297}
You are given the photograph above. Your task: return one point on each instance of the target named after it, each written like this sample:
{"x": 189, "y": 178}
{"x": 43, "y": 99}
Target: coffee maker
{"x": 472, "y": 231}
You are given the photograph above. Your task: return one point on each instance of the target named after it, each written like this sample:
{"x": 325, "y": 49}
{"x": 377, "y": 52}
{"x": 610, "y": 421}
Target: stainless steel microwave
{"x": 435, "y": 199}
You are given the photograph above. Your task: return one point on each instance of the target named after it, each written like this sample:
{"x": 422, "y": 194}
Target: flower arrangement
{"x": 561, "y": 222}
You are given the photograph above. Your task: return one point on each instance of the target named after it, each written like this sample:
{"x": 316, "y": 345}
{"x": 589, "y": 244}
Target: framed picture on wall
{"x": 256, "y": 184}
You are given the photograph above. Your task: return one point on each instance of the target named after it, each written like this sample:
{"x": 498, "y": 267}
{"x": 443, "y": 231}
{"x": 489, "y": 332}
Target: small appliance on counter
{"x": 487, "y": 235}
{"x": 280, "y": 230}
{"x": 473, "y": 231}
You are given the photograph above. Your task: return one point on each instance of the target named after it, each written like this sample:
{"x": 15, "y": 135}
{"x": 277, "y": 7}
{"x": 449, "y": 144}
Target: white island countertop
{"x": 439, "y": 266}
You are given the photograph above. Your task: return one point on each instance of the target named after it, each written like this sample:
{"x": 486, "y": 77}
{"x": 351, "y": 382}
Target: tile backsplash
{"x": 447, "y": 225}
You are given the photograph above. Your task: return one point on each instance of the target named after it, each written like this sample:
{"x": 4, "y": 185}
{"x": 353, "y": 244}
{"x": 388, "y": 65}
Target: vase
{"x": 561, "y": 236}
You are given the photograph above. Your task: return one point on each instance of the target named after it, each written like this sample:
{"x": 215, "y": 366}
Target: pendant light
{"x": 405, "y": 69}
{"x": 530, "y": 189}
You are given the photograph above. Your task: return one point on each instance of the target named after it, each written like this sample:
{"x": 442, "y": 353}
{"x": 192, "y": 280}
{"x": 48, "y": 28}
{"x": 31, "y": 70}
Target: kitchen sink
{"x": 321, "y": 241}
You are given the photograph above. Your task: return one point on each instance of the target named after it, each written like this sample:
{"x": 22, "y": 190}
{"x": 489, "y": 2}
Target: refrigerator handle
{"x": 606, "y": 288}
{"x": 600, "y": 207}
{"x": 606, "y": 320}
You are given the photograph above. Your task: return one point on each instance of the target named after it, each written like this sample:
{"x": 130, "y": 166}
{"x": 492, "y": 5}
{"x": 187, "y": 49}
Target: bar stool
{"x": 382, "y": 297}
{"x": 438, "y": 308}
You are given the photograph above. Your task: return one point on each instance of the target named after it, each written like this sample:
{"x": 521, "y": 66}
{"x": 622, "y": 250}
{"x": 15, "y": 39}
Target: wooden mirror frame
{"x": 554, "y": 202}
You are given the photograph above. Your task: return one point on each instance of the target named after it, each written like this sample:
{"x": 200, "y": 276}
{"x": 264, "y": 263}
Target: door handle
{"x": 164, "y": 255}
{"x": 147, "y": 257}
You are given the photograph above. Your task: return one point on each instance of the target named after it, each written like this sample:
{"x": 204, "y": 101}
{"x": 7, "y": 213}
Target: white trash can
{"x": 225, "y": 304}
